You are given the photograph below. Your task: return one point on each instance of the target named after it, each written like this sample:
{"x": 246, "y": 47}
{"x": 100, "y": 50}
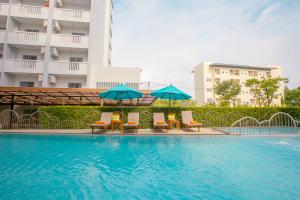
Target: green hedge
{"x": 83, "y": 116}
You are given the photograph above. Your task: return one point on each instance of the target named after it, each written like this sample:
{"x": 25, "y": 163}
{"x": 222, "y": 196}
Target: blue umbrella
{"x": 170, "y": 93}
{"x": 121, "y": 92}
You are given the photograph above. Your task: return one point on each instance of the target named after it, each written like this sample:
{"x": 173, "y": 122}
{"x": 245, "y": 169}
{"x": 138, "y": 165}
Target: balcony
{"x": 2, "y": 36}
{"x": 68, "y": 68}
{"x": 4, "y": 9}
{"x": 29, "y": 11}
{"x": 22, "y": 66}
{"x": 72, "y": 15}
{"x": 36, "y": 67}
{"x": 71, "y": 41}
{"x": 26, "y": 38}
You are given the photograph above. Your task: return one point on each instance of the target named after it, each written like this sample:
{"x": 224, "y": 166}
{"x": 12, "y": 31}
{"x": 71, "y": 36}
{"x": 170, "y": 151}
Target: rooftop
{"x": 241, "y": 66}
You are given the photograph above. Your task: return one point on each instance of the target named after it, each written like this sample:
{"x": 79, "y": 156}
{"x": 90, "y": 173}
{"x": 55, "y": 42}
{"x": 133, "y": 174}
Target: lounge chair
{"x": 188, "y": 121}
{"x": 104, "y": 123}
{"x": 132, "y": 121}
{"x": 159, "y": 121}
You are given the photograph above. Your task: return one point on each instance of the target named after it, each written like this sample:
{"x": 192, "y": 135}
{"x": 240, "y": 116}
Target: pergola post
{"x": 11, "y": 108}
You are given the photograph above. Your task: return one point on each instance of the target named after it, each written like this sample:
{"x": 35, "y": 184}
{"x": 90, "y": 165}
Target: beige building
{"x": 207, "y": 75}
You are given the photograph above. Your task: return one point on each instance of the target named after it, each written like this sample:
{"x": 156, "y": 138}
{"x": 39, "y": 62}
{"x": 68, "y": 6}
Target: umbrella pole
{"x": 169, "y": 106}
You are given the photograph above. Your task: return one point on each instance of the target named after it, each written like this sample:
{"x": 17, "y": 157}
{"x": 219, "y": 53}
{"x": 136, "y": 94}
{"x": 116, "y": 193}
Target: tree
{"x": 265, "y": 90}
{"x": 227, "y": 91}
{"x": 292, "y": 97}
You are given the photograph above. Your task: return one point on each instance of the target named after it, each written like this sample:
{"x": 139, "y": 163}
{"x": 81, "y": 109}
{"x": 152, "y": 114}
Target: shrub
{"x": 83, "y": 116}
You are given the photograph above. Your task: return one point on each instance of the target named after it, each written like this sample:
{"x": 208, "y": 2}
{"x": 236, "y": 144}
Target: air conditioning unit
{"x": 52, "y": 79}
{"x": 40, "y": 77}
{"x": 54, "y": 51}
{"x": 43, "y": 50}
{"x": 56, "y": 26}
{"x": 45, "y": 23}
{"x": 59, "y": 3}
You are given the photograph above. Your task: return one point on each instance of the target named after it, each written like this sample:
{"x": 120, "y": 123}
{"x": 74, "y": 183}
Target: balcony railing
{"x": 2, "y": 36}
{"x": 74, "y": 41}
{"x": 3, "y": 8}
{"x": 21, "y": 10}
{"x": 68, "y": 68}
{"x": 72, "y": 15}
{"x": 22, "y": 66}
{"x": 36, "y": 67}
{"x": 27, "y": 38}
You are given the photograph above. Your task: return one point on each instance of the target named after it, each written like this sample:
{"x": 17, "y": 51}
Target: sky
{"x": 167, "y": 38}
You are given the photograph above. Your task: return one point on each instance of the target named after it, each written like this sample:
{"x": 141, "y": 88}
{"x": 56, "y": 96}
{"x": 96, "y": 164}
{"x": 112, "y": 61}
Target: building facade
{"x": 58, "y": 43}
{"x": 207, "y": 75}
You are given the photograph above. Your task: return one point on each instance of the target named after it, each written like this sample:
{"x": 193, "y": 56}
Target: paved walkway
{"x": 203, "y": 131}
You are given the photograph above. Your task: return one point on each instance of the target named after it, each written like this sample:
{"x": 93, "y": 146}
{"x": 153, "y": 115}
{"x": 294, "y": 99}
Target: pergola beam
{"x": 61, "y": 96}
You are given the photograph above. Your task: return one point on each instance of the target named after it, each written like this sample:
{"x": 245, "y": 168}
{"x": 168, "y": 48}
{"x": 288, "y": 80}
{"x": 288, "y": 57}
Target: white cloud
{"x": 167, "y": 38}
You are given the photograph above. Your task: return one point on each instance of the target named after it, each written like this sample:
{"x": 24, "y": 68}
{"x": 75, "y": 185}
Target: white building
{"x": 58, "y": 43}
{"x": 207, "y": 75}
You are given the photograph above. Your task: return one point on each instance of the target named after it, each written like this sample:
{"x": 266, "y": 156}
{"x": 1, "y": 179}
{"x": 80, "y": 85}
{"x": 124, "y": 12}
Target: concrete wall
{"x": 117, "y": 74}
{"x": 99, "y": 39}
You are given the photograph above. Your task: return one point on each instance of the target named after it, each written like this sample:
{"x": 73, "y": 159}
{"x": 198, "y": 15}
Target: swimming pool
{"x": 261, "y": 130}
{"x": 149, "y": 167}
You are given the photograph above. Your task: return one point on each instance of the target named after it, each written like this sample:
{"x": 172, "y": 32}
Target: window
{"x": 268, "y": 74}
{"x": 75, "y": 85}
{"x": 76, "y": 59}
{"x": 2, "y": 28}
{"x": 75, "y": 63}
{"x": 253, "y": 73}
{"x": 32, "y": 30}
{"x": 1, "y": 55}
{"x": 209, "y": 89}
{"x": 235, "y": 72}
{"x": 79, "y": 34}
{"x": 217, "y": 71}
{"x": 77, "y": 37}
{"x": 208, "y": 79}
{"x": 29, "y": 57}
{"x": 26, "y": 84}
{"x": 217, "y": 80}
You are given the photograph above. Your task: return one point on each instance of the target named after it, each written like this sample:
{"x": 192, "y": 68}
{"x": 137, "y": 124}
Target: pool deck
{"x": 203, "y": 131}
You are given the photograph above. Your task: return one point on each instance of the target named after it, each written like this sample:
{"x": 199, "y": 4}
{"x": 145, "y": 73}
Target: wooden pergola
{"x": 64, "y": 96}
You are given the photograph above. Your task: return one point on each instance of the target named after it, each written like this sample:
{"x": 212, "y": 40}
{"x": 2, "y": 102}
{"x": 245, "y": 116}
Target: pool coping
{"x": 87, "y": 132}
{"x": 142, "y": 132}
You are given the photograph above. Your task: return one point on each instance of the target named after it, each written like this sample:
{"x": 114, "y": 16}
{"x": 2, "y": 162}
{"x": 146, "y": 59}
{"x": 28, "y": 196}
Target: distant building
{"x": 59, "y": 43}
{"x": 207, "y": 75}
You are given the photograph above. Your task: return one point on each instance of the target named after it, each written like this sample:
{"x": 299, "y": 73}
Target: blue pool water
{"x": 113, "y": 167}
{"x": 261, "y": 130}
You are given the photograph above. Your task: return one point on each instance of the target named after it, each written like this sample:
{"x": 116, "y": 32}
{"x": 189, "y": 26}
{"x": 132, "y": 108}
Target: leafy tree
{"x": 227, "y": 91}
{"x": 292, "y": 97}
{"x": 265, "y": 90}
